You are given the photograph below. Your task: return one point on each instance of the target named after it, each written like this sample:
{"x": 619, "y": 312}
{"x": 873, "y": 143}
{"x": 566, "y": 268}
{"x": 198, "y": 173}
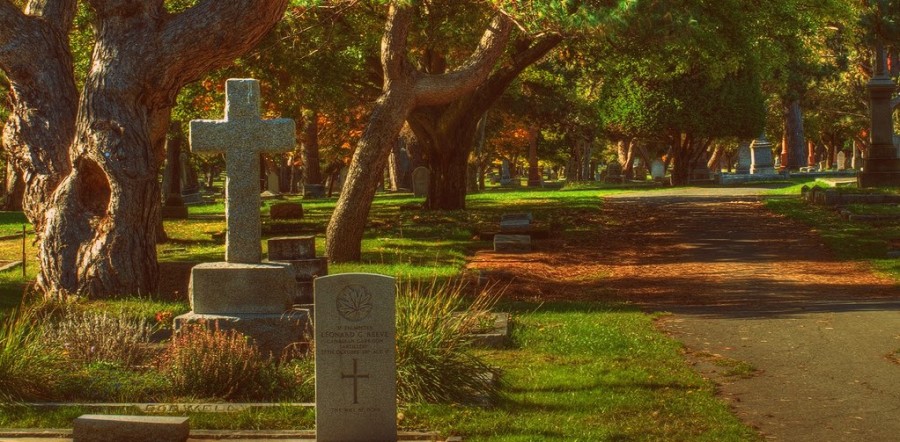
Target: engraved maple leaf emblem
{"x": 354, "y": 303}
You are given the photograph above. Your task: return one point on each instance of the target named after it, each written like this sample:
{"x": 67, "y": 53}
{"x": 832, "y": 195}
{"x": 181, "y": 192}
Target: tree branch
{"x": 494, "y": 87}
{"x": 59, "y": 13}
{"x": 213, "y": 33}
{"x": 394, "y": 61}
{"x": 12, "y": 23}
{"x": 432, "y": 90}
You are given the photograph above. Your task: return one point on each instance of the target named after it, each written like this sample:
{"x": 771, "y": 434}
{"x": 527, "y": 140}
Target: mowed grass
{"x": 589, "y": 372}
{"x": 850, "y": 240}
{"x": 576, "y": 371}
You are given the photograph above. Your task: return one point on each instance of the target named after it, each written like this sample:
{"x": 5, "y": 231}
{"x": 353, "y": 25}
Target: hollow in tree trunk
{"x": 92, "y": 189}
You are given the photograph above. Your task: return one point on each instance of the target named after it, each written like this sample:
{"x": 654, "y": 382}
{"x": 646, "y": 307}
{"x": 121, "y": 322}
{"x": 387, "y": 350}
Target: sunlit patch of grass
{"x": 588, "y": 372}
{"x": 849, "y": 240}
{"x": 11, "y": 223}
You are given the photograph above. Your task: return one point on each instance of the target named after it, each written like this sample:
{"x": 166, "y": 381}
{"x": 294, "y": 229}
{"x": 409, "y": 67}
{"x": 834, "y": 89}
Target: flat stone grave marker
{"x": 356, "y": 371}
{"x": 242, "y": 136}
{"x": 112, "y": 428}
{"x": 515, "y": 222}
{"x": 421, "y": 177}
{"x": 512, "y": 243}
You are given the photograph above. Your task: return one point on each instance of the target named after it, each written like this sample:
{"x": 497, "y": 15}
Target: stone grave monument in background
{"x": 421, "y": 178}
{"x": 243, "y": 293}
{"x": 761, "y": 156}
{"x": 356, "y": 370}
{"x": 881, "y": 166}
{"x": 657, "y": 170}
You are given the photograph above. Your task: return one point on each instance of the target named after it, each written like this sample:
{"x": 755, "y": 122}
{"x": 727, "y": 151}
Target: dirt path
{"x": 745, "y": 287}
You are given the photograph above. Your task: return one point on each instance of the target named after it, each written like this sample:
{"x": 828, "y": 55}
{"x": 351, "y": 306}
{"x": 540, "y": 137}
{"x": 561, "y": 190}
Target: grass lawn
{"x": 576, "y": 371}
{"x": 860, "y": 241}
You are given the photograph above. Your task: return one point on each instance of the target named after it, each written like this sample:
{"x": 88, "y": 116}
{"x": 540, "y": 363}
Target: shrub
{"x": 212, "y": 363}
{"x": 94, "y": 337}
{"x": 28, "y": 369}
{"x": 435, "y": 359}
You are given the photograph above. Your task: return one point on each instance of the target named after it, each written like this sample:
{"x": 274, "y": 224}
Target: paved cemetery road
{"x": 747, "y": 286}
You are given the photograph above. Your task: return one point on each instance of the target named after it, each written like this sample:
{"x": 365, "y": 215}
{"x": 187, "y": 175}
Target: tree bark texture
{"x": 92, "y": 180}
{"x": 403, "y": 89}
{"x": 795, "y": 140}
{"x": 312, "y": 172}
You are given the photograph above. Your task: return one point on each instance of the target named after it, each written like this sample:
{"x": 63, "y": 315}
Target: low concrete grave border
{"x": 57, "y": 434}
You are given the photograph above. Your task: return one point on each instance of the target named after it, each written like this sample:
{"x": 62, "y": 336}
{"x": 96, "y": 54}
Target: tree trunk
{"x": 458, "y": 121}
{"x": 534, "y": 172}
{"x": 794, "y": 138}
{"x": 97, "y": 214}
{"x": 682, "y": 156}
{"x": 312, "y": 172}
{"x": 625, "y": 154}
{"x": 403, "y": 89}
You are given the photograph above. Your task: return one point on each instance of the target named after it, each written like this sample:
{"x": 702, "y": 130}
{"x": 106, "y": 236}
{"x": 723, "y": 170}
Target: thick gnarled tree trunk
{"x": 92, "y": 182}
{"x": 448, "y": 132}
{"x": 404, "y": 88}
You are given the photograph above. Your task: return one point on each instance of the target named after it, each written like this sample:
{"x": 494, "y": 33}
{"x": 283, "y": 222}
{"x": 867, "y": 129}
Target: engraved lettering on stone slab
{"x": 356, "y": 377}
{"x": 354, "y": 303}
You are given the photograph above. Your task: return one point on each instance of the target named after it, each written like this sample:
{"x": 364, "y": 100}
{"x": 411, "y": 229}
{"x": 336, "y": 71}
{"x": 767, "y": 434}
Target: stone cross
{"x": 242, "y": 136}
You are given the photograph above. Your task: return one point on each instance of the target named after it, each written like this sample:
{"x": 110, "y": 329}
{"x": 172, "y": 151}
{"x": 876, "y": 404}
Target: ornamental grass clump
{"x": 28, "y": 369}
{"x": 88, "y": 337}
{"x": 435, "y": 358}
{"x": 212, "y": 363}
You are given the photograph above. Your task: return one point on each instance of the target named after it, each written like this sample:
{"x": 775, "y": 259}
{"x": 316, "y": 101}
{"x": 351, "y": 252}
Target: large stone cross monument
{"x": 243, "y": 293}
{"x": 242, "y": 136}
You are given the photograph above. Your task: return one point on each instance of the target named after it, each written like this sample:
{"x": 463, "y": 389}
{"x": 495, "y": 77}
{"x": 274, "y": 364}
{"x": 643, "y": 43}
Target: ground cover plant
{"x": 565, "y": 356}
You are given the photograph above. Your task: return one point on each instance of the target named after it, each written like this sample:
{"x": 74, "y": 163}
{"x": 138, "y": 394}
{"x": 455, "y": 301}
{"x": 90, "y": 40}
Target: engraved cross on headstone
{"x": 242, "y": 136}
{"x": 356, "y": 377}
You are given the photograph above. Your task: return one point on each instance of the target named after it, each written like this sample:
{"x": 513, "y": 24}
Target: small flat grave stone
{"x": 512, "y": 243}
{"x": 356, "y": 372}
{"x": 286, "y": 211}
{"x": 111, "y": 428}
{"x": 291, "y": 248}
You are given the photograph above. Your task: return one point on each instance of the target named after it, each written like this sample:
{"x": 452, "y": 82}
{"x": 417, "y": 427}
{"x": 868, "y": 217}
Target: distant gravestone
{"x": 515, "y": 222}
{"x": 761, "y": 156}
{"x": 841, "y": 160}
{"x": 421, "y": 177}
{"x": 273, "y": 182}
{"x": 356, "y": 371}
{"x": 745, "y": 158}
{"x": 614, "y": 172}
{"x": 657, "y": 170}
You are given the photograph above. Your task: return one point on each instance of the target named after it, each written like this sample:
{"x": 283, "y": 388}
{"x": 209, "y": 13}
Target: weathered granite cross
{"x": 242, "y": 136}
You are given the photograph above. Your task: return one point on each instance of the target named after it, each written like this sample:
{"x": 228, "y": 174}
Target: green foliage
{"x": 435, "y": 361}
{"x": 27, "y": 370}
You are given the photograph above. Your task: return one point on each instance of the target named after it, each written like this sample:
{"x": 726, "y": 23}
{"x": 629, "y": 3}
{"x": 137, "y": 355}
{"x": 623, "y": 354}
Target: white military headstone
{"x": 242, "y": 136}
{"x": 356, "y": 371}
